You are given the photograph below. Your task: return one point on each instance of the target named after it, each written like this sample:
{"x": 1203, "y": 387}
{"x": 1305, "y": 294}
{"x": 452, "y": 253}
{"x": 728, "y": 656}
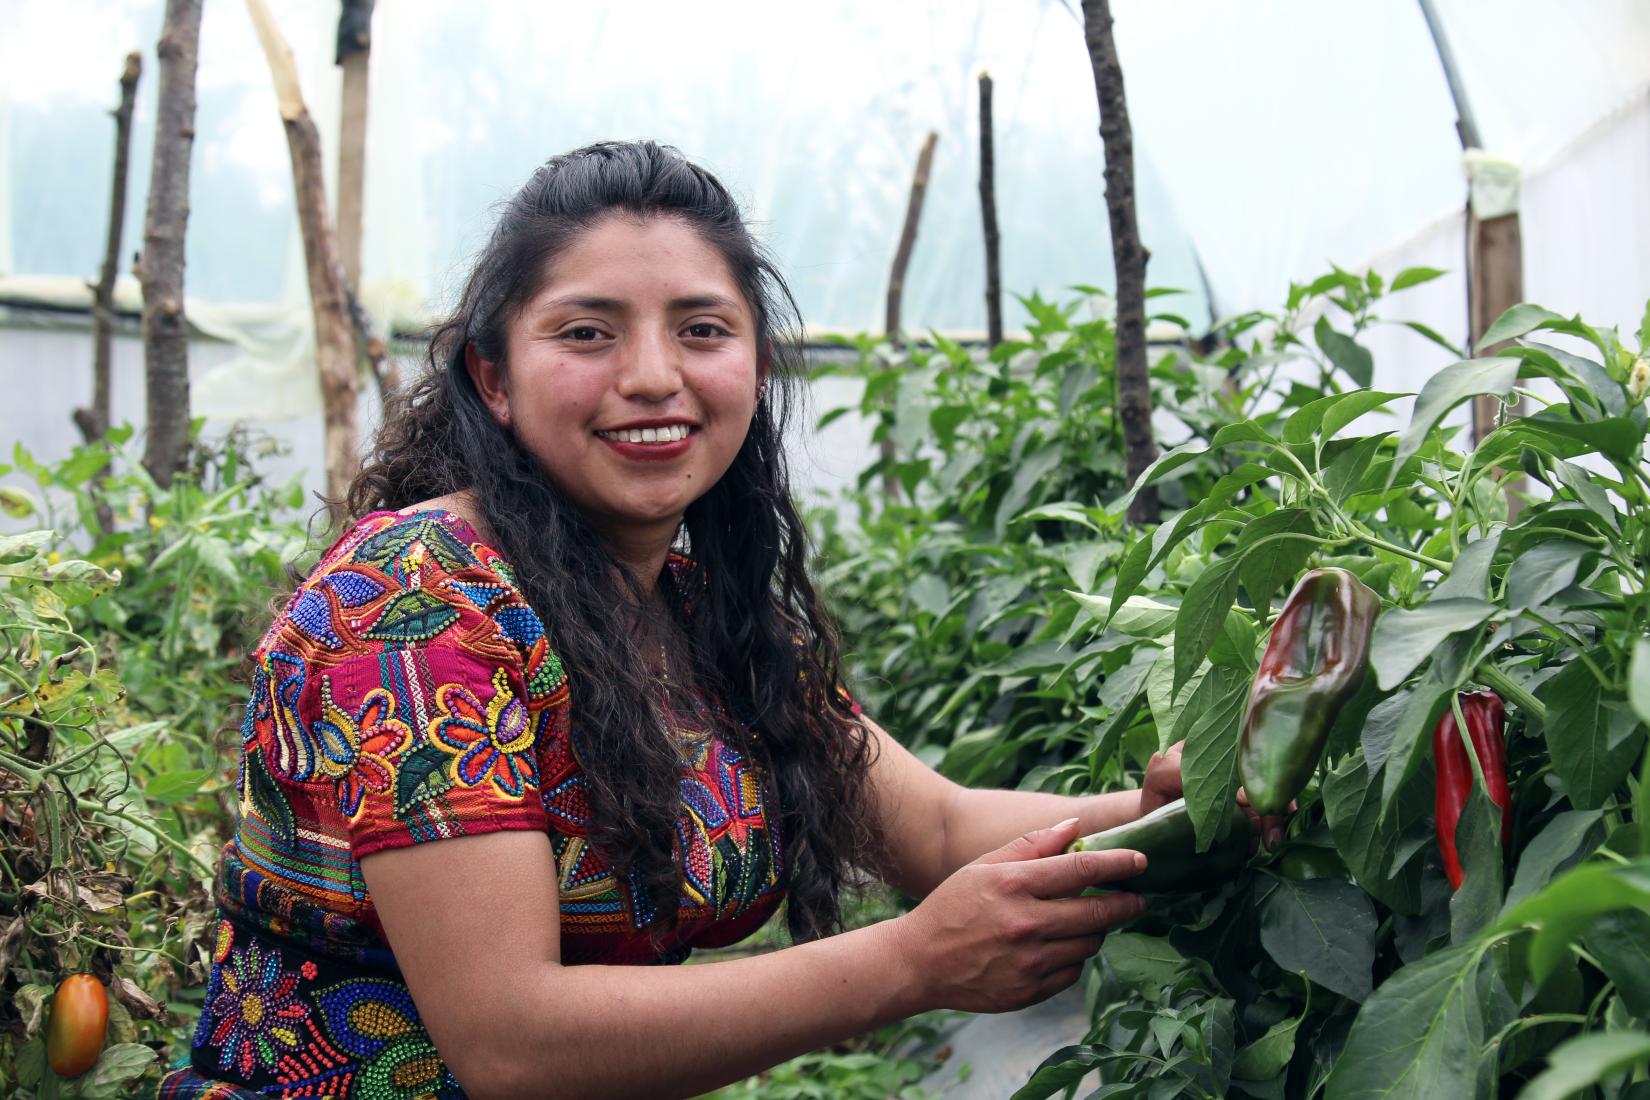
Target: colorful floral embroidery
{"x": 255, "y": 1008}
{"x": 491, "y": 742}
{"x": 443, "y": 712}
{"x": 357, "y": 752}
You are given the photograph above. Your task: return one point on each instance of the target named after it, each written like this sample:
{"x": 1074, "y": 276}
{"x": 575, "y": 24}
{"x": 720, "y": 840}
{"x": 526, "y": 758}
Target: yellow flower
{"x": 53, "y": 558}
{"x": 156, "y": 522}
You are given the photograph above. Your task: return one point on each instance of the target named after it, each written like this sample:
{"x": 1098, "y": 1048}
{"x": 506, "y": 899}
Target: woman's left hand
{"x": 1163, "y": 785}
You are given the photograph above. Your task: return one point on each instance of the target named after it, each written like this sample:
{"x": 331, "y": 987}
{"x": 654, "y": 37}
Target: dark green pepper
{"x": 1173, "y": 863}
{"x": 1314, "y": 662}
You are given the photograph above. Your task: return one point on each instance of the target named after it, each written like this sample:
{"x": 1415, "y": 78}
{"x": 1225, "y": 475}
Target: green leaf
{"x": 1413, "y": 276}
{"x": 116, "y": 1066}
{"x": 1403, "y": 639}
{"x": 1030, "y": 473}
{"x": 1345, "y": 473}
{"x": 1420, "y": 1035}
{"x": 1144, "y": 963}
{"x": 1203, "y": 616}
{"x": 1139, "y": 617}
{"x": 1412, "y": 731}
{"x": 1436, "y": 337}
{"x": 1542, "y": 572}
{"x": 1060, "y": 1070}
{"x": 179, "y": 786}
{"x": 1346, "y": 353}
{"x": 1478, "y": 843}
{"x": 1469, "y": 574}
{"x": 1270, "y": 1055}
{"x": 1065, "y": 511}
{"x": 1514, "y": 323}
{"x": 1620, "y": 941}
{"x": 1368, "y": 840}
{"x": 1209, "y": 724}
{"x": 1162, "y": 695}
{"x": 1562, "y": 911}
{"x": 1593, "y": 744}
{"x": 213, "y": 553}
{"x": 1264, "y": 570}
{"x": 1568, "y": 834}
{"x": 1586, "y": 1060}
{"x": 1324, "y": 928}
{"x": 1447, "y": 389}
{"x": 1638, "y": 679}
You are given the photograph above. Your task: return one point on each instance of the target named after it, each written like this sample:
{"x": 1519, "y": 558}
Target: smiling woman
{"x": 563, "y": 700}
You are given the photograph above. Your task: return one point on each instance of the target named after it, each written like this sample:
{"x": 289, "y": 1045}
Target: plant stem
{"x": 1499, "y": 681}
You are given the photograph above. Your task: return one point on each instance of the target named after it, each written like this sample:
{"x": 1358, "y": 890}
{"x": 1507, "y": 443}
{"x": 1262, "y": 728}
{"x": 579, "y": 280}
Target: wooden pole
{"x": 988, "y": 215}
{"x": 1495, "y": 283}
{"x": 896, "y": 276}
{"x": 329, "y": 298}
{"x": 1134, "y": 395}
{"x": 354, "y": 50}
{"x": 94, "y": 421}
{"x": 353, "y": 54}
{"x": 160, "y": 267}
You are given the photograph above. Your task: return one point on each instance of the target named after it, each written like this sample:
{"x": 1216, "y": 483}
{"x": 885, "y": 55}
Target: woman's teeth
{"x": 648, "y": 435}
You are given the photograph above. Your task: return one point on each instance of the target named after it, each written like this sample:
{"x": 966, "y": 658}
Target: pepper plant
{"x": 1373, "y": 976}
{"x": 1341, "y": 963}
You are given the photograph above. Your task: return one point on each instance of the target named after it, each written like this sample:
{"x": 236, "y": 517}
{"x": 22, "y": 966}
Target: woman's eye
{"x": 704, "y": 330}
{"x": 583, "y": 333}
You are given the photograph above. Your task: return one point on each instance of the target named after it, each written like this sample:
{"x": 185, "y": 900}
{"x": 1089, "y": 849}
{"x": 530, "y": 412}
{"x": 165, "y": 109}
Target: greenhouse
{"x": 806, "y": 494}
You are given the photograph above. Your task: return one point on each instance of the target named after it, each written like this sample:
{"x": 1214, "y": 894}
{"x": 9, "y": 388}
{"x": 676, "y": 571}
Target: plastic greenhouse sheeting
{"x": 1272, "y": 137}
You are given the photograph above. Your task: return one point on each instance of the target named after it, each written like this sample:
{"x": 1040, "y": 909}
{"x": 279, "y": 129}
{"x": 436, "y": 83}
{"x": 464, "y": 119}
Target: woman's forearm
{"x": 620, "y": 1031}
{"x": 978, "y": 821}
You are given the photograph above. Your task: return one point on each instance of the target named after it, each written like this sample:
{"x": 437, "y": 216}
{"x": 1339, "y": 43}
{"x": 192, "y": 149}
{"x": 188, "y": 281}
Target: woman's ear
{"x": 764, "y": 360}
{"x": 489, "y": 383}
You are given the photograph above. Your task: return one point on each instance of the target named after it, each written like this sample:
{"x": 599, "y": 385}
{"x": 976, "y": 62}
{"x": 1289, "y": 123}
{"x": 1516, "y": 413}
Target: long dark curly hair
{"x": 757, "y": 634}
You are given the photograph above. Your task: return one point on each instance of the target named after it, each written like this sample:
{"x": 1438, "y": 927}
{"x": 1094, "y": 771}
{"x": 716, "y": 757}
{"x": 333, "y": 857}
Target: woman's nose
{"x": 652, "y": 368}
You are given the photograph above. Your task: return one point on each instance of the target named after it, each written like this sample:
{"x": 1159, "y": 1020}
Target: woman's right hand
{"x": 1013, "y": 928}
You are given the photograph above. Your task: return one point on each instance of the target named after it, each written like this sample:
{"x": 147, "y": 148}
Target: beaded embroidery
{"x": 408, "y": 693}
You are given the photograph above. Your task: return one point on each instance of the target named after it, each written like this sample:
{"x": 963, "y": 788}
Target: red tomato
{"x": 80, "y": 1017}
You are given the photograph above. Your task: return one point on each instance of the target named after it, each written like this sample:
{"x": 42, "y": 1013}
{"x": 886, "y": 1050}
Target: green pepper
{"x": 1314, "y": 662}
{"x": 1173, "y": 863}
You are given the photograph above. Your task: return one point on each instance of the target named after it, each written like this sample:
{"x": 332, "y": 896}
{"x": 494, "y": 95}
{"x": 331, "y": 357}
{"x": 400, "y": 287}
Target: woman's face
{"x": 631, "y": 375}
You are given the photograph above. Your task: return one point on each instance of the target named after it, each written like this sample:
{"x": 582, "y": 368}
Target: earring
{"x": 761, "y": 391}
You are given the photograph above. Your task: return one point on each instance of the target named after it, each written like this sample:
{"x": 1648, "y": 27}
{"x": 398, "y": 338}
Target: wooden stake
{"x": 1134, "y": 395}
{"x": 354, "y": 52}
{"x": 896, "y": 277}
{"x": 160, "y": 267}
{"x": 988, "y": 214}
{"x": 94, "y": 421}
{"x": 1495, "y": 283}
{"x": 352, "y": 157}
{"x": 329, "y": 298}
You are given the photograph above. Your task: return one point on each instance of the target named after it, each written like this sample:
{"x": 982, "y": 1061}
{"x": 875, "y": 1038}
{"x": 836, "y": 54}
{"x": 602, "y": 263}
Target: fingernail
{"x": 1139, "y": 906}
{"x": 1274, "y": 837}
{"x": 1139, "y": 862}
{"x": 1067, "y": 823}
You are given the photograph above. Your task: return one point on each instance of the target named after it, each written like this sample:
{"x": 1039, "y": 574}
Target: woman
{"x": 513, "y": 722}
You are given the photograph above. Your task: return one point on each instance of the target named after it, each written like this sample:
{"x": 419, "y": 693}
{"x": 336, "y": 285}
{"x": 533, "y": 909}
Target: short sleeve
{"x": 428, "y": 742}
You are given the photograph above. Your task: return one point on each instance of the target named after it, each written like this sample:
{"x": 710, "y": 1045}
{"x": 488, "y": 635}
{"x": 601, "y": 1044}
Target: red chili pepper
{"x": 1485, "y": 715}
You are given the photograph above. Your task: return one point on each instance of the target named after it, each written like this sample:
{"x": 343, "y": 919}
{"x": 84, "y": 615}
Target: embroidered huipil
{"x": 407, "y": 694}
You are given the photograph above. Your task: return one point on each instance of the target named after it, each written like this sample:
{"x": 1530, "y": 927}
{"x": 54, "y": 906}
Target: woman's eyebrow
{"x": 614, "y": 305}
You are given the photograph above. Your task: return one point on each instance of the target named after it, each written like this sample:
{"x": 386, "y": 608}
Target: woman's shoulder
{"x": 394, "y": 579}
